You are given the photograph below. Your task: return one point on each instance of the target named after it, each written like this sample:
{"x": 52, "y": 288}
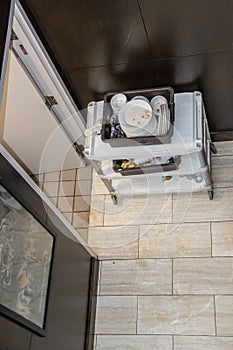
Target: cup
{"x": 117, "y": 101}
{"x": 140, "y": 97}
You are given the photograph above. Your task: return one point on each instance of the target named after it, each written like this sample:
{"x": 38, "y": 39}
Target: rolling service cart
{"x": 174, "y": 157}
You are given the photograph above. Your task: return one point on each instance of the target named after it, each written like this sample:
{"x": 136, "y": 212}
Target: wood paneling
{"x": 13, "y": 336}
{"x": 68, "y": 302}
{"x": 212, "y": 74}
{"x": 97, "y": 81}
{"x": 186, "y": 27}
{"x": 92, "y": 33}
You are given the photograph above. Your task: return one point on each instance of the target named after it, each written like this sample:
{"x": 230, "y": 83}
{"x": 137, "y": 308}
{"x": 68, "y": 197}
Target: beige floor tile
{"x": 98, "y": 187}
{"x": 186, "y": 315}
{"x": 65, "y": 204}
{"x": 84, "y": 173}
{"x": 51, "y": 189}
{"x": 53, "y": 176}
{"x": 224, "y": 315}
{"x": 134, "y": 342}
{"x": 84, "y": 233}
{"x": 136, "y": 277}
{"x": 222, "y": 171}
{"x": 81, "y": 219}
{"x": 203, "y": 276}
{"x": 82, "y": 203}
{"x": 66, "y": 188}
{"x": 68, "y": 216}
{"x": 97, "y": 210}
{"x": 114, "y": 242}
{"x": 197, "y": 207}
{"x": 203, "y": 343}
{"x": 222, "y": 238}
{"x": 169, "y": 241}
{"x": 53, "y": 200}
{"x": 138, "y": 210}
{"x": 223, "y": 148}
{"x": 83, "y": 188}
{"x": 116, "y": 315}
{"x": 68, "y": 174}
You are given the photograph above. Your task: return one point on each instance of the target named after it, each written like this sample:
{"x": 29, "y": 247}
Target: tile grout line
{"x": 163, "y": 334}
{"x": 194, "y": 296}
{"x": 73, "y": 204}
{"x": 105, "y": 199}
{"x": 136, "y": 330}
{"x": 216, "y": 257}
{"x": 172, "y": 216}
{"x": 211, "y": 241}
{"x": 89, "y": 194}
{"x": 58, "y": 188}
{"x": 172, "y": 260}
{"x": 169, "y": 223}
{"x": 215, "y": 317}
{"x": 72, "y": 214}
{"x": 173, "y": 342}
{"x": 139, "y": 235}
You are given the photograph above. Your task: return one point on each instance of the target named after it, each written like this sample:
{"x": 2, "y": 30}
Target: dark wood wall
{"x": 104, "y": 45}
{"x": 73, "y": 270}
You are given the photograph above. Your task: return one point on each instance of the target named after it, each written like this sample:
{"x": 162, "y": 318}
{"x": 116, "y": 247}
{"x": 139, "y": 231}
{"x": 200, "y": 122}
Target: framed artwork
{"x": 26, "y": 251}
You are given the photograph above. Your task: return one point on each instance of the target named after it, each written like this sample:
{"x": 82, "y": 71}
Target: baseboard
{"x": 218, "y": 136}
{"x": 92, "y": 304}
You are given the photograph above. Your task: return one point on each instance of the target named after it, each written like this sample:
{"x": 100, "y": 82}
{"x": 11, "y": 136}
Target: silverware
{"x": 164, "y": 119}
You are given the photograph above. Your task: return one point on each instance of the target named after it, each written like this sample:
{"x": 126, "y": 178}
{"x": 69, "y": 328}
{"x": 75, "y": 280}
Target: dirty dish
{"x": 136, "y": 118}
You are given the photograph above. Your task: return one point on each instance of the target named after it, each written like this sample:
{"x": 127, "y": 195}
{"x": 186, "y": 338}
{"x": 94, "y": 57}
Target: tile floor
{"x": 166, "y": 272}
{"x": 70, "y": 191}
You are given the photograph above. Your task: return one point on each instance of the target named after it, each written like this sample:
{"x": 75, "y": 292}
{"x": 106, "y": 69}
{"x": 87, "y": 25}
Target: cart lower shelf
{"x": 147, "y": 184}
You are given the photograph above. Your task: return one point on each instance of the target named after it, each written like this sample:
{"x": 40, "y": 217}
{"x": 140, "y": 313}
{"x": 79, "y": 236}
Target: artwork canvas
{"x": 26, "y": 248}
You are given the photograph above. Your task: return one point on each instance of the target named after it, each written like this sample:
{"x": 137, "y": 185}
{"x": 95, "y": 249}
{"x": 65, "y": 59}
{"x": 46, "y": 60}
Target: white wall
{"x": 31, "y": 130}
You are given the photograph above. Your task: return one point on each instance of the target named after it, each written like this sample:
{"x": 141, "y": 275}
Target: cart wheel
{"x": 211, "y": 194}
{"x": 114, "y": 199}
{"x": 213, "y": 148}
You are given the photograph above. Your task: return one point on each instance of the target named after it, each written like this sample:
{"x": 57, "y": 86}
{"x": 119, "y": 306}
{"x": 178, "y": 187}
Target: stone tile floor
{"x": 69, "y": 191}
{"x": 166, "y": 271}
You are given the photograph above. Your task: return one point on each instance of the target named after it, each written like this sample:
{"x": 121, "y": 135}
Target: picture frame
{"x": 26, "y": 256}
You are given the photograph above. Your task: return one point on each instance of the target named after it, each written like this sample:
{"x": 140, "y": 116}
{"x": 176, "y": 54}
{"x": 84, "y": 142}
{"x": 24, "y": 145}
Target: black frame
{"x": 12, "y": 188}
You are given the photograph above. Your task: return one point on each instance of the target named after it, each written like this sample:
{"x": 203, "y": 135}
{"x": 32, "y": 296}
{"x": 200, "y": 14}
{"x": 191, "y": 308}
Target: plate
{"x": 138, "y": 113}
{"x": 136, "y": 118}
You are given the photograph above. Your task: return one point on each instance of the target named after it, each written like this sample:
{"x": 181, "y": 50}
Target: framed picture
{"x": 26, "y": 251}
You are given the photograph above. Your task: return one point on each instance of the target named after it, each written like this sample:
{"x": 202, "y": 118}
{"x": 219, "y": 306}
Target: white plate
{"x": 136, "y": 118}
{"x": 137, "y": 113}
